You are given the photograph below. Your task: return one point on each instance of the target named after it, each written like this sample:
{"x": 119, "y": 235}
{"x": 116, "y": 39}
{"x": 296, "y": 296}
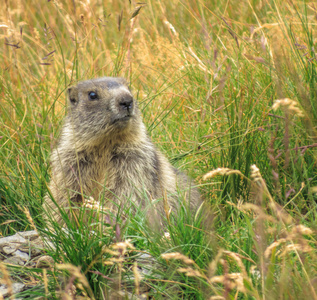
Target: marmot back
{"x": 104, "y": 151}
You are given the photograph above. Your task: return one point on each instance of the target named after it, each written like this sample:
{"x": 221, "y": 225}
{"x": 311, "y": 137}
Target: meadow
{"x": 228, "y": 92}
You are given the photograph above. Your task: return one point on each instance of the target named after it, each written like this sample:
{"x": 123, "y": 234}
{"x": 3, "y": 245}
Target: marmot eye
{"x": 92, "y": 95}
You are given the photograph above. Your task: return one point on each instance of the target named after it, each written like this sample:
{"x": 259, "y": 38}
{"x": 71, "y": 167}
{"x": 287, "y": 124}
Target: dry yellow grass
{"x": 206, "y": 74}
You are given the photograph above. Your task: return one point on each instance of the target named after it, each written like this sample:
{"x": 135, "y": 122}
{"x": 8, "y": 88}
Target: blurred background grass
{"x": 206, "y": 74}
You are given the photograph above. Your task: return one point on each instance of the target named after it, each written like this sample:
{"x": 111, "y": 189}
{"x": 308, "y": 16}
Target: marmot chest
{"x": 122, "y": 170}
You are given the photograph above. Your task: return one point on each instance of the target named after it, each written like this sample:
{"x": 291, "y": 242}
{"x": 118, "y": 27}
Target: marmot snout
{"x": 104, "y": 151}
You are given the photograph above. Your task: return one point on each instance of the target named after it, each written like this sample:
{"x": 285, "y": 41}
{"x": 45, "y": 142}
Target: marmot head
{"x": 102, "y": 106}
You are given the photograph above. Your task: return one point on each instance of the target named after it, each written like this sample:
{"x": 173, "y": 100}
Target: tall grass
{"x": 206, "y": 74}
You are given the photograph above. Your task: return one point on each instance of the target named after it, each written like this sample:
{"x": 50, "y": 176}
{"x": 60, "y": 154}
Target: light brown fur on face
{"x": 104, "y": 149}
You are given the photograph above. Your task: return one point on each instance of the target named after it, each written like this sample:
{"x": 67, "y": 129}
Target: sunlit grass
{"x": 206, "y": 76}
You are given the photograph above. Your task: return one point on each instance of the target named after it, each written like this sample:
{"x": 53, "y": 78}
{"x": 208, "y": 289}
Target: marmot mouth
{"x": 124, "y": 119}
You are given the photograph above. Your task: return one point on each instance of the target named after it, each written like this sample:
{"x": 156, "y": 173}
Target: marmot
{"x": 104, "y": 152}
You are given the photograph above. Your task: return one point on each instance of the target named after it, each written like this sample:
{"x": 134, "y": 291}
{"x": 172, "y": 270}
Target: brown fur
{"x": 104, "y": 143}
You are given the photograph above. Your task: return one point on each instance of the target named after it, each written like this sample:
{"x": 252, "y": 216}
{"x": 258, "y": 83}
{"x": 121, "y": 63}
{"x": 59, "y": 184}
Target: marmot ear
{"x": 123, "y": 81}
{"x": 73, "y": 95}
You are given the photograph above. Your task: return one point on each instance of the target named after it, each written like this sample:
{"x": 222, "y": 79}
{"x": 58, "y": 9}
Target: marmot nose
{"x": 126, "y": 103}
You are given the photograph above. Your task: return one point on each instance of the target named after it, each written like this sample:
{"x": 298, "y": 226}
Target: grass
{"x": 207, "y": 76}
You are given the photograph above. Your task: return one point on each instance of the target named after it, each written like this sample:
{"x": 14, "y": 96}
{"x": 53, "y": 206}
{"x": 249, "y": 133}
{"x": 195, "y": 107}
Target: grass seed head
{"x": 28, "y": 216}
{"x": 137, "y": 278}
{"x": 232, "y": 280}
{"x": 222, "y": 172}
{"x": 91, "y": 203}
{"x": 301, "y": 229}
{"x": 5, "y": 279}
{"x": 270, "y": 248}
{"x": 238, "y": 261}
{"x": 108, "y": 263}
{"x": 297, "y": 248}
{"x": 111, "y": 252}
{"x": 123, "y": 246}
{"x": 190, "y": 272}
{"x": 74, "y": 271}
{"x": 179, "y": 256}
{"x": 255, "y": 174}
{"x": 287, "y": 104}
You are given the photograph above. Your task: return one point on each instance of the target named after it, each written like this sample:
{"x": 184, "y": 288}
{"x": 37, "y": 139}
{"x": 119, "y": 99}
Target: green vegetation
{"x": 207, "y": 75}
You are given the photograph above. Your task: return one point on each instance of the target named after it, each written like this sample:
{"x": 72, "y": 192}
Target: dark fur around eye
{"x": 72, "y": 100}
{"x": 92, "y": 96}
